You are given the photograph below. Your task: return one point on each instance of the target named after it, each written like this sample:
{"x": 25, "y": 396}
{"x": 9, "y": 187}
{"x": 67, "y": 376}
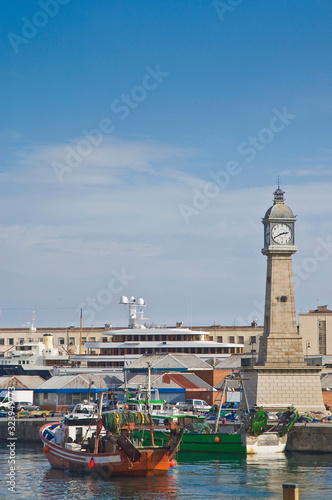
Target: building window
{"x": 61, "y": 341}
{"x": 21, "y": 341}
{"x": 11, "y": 341}
{"x": 83, "y": 340}
{"x": 92, "y": 339}
{"x": 232, "y": 339}
{"x": 104, "y": 339}
{"x": 219, "y": 339}
{"x": 241, "y": 339}
{"x": 322, "y": 337}
{"x": 45, "y": 395}
{"x": 72, "y": 340}
{"x": 252, "y": 340}
{"x": 2, "y": 341}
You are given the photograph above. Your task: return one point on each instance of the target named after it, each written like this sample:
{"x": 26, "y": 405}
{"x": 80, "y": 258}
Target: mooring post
{"x": 290, "y": 491}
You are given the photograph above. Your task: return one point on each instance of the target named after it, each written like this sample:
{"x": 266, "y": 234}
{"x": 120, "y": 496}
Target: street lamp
{"x": 307, "y": 346}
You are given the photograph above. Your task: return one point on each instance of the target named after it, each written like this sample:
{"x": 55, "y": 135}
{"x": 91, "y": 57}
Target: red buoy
{"x": 172, "y": 463}
{"x": 46, "y": 448}
{"x": 91, "y": 463}
{"x": 217, "y": 439}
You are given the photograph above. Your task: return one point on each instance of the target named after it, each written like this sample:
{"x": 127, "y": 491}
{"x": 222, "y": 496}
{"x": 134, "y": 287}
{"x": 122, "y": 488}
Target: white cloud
{"x": 106, "y": 163}
{"x": 64, "y": 240}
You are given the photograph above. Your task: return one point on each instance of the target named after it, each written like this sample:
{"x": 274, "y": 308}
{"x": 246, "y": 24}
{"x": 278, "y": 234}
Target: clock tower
{"x": 280, "y": 343}
{"x": 281, "y": 377}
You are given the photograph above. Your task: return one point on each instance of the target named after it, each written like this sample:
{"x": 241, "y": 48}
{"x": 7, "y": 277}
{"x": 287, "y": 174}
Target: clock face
{"x": 282, "y": 234}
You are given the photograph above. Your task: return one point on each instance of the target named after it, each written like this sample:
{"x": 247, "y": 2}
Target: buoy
{"x": 172, "y": 463}
{"x": 126, "y": 407}
{"x": 216, "y": 439}
{"x": 46, "y": 448}
{"x": 323, "y": 420}
{"x": 91, "y": 463}
{"x": 223, "y": 420}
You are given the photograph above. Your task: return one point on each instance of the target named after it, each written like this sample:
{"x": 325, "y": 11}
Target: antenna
{"x": 31, "y": 326}
{"x": 135, "y": 311}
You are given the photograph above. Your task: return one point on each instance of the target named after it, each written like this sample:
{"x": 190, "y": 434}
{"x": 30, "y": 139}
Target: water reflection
{"x": 57, "y": 484}
{"x": 197, "y": 476}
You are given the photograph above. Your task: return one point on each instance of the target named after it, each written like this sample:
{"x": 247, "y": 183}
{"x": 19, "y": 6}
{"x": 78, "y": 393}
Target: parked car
{"x": 83, "y": 407}
{"x": 196, "y": 405}
{"x": 43, "y": 413}
{"x": 26, "y": 406}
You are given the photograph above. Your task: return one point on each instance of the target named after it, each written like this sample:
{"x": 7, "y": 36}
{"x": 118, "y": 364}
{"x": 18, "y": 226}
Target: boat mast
{"x": 81, "y": 322}
{"x": 220, "y": 405}
{"x": 148, "y": 395}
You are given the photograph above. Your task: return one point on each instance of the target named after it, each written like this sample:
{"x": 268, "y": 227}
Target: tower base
{"x": 277, "y": 388}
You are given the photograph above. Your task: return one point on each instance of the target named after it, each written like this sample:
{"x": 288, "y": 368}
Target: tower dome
{"x": 279, "y": 210}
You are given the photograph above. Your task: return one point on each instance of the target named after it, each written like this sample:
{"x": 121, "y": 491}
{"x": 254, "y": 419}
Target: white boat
{"x": 127, "y": 345}
{"x": 32, "y": 358}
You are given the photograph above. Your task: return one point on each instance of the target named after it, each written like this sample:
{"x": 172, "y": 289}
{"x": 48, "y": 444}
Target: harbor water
{"x": 195, "y": 477}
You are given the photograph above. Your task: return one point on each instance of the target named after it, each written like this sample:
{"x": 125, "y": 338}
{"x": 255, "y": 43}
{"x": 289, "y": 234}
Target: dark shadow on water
{"x": 57, "y": 484}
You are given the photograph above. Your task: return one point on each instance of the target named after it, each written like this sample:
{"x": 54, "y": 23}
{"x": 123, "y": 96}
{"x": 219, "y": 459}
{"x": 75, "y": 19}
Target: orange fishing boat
{"x": 86, "y": 443}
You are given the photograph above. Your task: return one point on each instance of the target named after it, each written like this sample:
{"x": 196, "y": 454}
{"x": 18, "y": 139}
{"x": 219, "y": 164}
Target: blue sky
{"x": 140, "y": 146}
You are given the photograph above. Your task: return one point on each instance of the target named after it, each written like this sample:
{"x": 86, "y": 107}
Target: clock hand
{"x": 280, "y": 234}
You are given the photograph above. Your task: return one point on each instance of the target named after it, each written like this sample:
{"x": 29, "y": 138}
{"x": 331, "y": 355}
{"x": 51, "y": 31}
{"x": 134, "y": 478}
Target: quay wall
{"x": 26, "y": 430}
{"x": 310, "y": 438}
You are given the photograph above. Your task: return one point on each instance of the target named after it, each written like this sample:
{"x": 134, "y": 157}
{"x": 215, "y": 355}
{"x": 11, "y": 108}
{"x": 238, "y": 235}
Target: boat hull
{"x": 202, "y": 443}
{"x": 267, "y": 443}
{"x": 154, "y": 461}
{"x": 236, "y": 443}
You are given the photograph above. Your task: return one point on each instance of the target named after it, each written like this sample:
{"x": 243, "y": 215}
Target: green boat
{"x": 196, "y": 442}
{"x": 257, "y": 436}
